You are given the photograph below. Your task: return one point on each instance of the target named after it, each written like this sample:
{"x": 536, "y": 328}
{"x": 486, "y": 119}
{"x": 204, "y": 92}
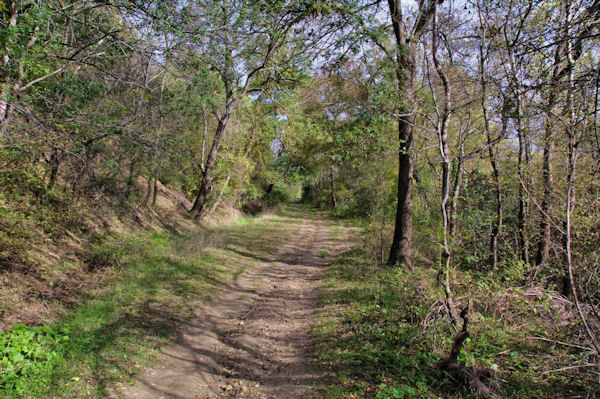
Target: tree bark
{"x": 565, "y": 49}
{"x": 442, "y": 130}
{"x": 130, "y": 177}
{"x": 523, "y": 157}
{"x": 405, "y": 46}
{"x": 382, "y": 198}
{"x": 456, "y": 191}
{"x": 569, "y": 286}
{"x": 401, "y": 249}
{"x": 467, "y": 375}
{"x": 497, "y": 221}
{"x": 155, "y": 192}
{"x": 6, "y": 84}
{"x": 546, "y": 208}
{"x": 333, "y": 200}
{"x": 205, "y": 185}
{"x": 547, "y": 174}
{"x": 218, "y": 200}
{"x": 4, "y": 109}
{"x": 523, "y": 239}
{"x": 148, "y": 190}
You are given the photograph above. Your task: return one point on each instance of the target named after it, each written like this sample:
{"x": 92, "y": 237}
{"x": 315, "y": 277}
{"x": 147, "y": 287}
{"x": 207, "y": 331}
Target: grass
{"x": 359, "y": 336}
{"x": 384, "y": 329}
{"x": 159, "y": 281}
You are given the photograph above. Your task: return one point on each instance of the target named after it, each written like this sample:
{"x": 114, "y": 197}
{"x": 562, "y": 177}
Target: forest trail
{"x": 254, "y": 339}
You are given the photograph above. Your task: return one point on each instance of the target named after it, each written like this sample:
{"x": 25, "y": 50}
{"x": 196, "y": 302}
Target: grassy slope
{"x": 384, "y": 329}
{"x": 161, "y": 278}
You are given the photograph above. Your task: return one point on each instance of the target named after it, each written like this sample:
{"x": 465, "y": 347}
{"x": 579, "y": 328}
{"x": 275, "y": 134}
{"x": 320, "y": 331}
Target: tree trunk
{"x": 456, "y": 192}
{"x": 382, "y": 198}
{"x": 497, "y": 221}
{"x": 333, "y": 201}
{"x": 4, "y": 109}
{"x": 54, "y": 163}
{"x": 546, "y": 211}
{"x": 523, "y": 158}
{"x": 155, "y": 192}
{"x": 205, "y": 185}
{"x": 204, "y": 132}
{"x": 570, "y": 286}
{"x": 148, "y": 190}
{"x": 558, "y": 72}
{"x": 547, "y": 176}
{"x": 572, "y": 145}
{"x": 442, "y": 130}
{"x": 401, "y": 249}
{"x": 218, "y": 201}
{"x": 523, "y": 239}
{"x": 6, "y": 84}
{"x": 130, "y": 177}
{"x": 405, "y": 50}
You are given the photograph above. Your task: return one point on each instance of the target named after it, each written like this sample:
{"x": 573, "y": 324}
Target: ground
{"x": 286, "y": 305}
{"x": 253, "y": 340}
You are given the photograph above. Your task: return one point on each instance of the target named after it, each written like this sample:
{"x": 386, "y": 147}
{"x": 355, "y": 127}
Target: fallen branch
{"x": 585, "y": 348}
{"x": 577, "y": 366}
{"x": 467, "y": 375}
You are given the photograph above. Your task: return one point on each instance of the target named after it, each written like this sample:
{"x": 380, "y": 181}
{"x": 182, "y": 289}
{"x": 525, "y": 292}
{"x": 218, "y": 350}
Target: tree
{"x": 443, "y": 119}
{"x": 491, "y": 142}
{"x": 250, "y": 45}
{"x": 405, "y": 52}
{"x": 41, "y": 40}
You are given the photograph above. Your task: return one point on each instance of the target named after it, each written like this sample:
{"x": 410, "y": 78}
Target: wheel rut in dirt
{"x": 254, "y": 339}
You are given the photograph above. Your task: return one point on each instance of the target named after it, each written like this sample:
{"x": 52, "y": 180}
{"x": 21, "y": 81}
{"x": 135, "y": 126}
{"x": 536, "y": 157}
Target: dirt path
{"x": 253, "y": 340}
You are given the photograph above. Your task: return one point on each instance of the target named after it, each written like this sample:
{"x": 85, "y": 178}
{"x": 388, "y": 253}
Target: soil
{"x": 254, "y": 339}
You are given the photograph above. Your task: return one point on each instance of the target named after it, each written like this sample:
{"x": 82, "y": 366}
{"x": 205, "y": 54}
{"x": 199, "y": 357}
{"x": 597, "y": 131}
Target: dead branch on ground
{"x": 466, "y": 375}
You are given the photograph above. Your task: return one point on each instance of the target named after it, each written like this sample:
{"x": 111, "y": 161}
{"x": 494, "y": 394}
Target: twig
{"x": 556, "y": 226}
{"x": 577, "y": 366}
{"x": 563, "y": 343}
{"x": 245, "y": 314}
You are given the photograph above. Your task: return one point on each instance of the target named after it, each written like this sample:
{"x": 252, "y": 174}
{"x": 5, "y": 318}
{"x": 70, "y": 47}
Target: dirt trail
{"x": 253, "y": 340}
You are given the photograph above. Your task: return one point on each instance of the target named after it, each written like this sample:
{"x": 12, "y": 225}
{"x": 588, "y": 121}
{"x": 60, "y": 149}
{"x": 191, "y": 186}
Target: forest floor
{"x": 254, "y": 339}
{"x": 281, "y": 305}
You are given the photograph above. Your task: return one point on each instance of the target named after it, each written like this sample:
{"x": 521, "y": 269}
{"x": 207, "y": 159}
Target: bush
{"x": 277, "y": 195}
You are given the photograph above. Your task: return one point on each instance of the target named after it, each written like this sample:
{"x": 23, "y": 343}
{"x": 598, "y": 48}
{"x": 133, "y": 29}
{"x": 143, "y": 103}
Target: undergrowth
{"x": 384, "y": 329}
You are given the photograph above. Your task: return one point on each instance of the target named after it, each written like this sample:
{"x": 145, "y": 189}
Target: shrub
{"x": 277, "y": 195}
